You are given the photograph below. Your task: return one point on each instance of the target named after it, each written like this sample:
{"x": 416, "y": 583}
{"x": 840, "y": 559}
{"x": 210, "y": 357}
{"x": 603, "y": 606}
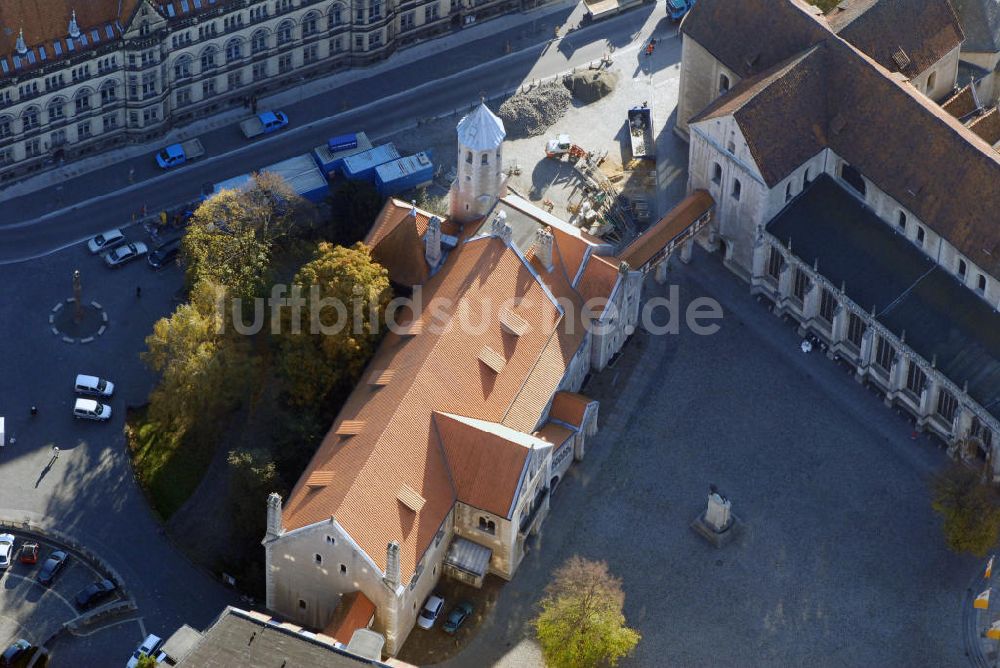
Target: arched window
{"x": 468, "y": 157}
{"x": 962, "y": 268}
{"x": 336, "y": 16}
{"x": 931, "y": 80}
{"x": 716, "y": 173}
{"x": 6, "y": 126}
{"x": 57, "y": 109}
{"x": 258, "y": 42}
{"x": 737, "y": 189}
{"x": 920, "y": 236}
{"x": 29, "y": 118}
{"x": 109, "y": 91}
{"x": 310, "y": 24}
{"x": 285, "y": 32}
{"x": 805, "y": 179}
{"x": 208, "y": 58}
{"x": 234, "y": 50}
{"x": 982, "y": 283}
{"x": 723, "y": 84}
{"x": 182, "y": 68}
{"x": 485, "y": 159}
{"x": 901, "y": 221}
{"x": 489, "y": 526}
{"x": 82, "y": 99}
{"x": 788, "y": 192}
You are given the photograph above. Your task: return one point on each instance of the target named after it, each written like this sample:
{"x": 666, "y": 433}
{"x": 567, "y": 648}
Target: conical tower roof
{"x": 481, "y": 130}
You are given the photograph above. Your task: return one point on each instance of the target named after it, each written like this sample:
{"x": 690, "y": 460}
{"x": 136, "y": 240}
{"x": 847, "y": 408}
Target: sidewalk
{"x": 542, "y": 33}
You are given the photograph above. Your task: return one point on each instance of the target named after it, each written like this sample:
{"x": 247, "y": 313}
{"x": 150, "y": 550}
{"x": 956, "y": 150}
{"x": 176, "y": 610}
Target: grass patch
{"x": 169, "y": 465}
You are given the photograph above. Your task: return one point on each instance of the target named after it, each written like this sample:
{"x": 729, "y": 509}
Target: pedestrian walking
{"x": 34, "y": 410}
{"x": 138, "y": 291}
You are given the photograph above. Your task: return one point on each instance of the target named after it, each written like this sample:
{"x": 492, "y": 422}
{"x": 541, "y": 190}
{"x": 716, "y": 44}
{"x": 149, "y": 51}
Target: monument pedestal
{"x": 717, "y": 524}
{"x": 708, "y": 532}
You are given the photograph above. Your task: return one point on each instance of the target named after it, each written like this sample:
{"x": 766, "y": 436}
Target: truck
{"x": 176, "y": 155}
{"x": 678, "y": 8}
{"x": 640, "y": 132}
{"x": 263, "y": 123}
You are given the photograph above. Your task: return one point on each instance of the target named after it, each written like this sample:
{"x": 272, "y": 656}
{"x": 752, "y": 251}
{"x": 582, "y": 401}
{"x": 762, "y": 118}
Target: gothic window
{"x": 946, "y": 405}
{"x": 855, "y": 330}
{"x": 884, "y": 354}
{"x": 318, "y": 558}
{"x": 961, "y": 268}
{"x": 805, "y": 179}
{"x": 801, "y": 285}
{"x": 737, "y": 189}
{"x": 723, "y": 84}
{"x": 468, "y": 157}
{"x": 489, "y": 526}
{"x": 901, "y": 221}
{"x": 788, "y": 192}
{"x": 981, "y": 286}
{"x": 343, "y": 569}
{"x": 716, "y": 173}
{"x": 485, "y": 159}
{"x": 915, "y": 379}
{"x": 920, "y": 235}
{"x": 827, "y": 305}
{"x": 302, "y": 604}
{"x": 774, "y": 263}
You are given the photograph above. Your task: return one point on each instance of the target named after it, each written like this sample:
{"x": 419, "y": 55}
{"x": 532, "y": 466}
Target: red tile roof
{"x": 570, "y": 407}
{"x": 353, "y": 613}
{"x": 644, "y": 248}
{"x": 397, "y": 241}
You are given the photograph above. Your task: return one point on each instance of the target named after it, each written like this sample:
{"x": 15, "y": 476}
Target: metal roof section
{"x": 468, "y": 556}
{"x": 481, "y": 130}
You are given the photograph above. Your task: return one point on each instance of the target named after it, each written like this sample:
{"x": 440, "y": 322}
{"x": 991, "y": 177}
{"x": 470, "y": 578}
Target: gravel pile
{"x": 530, "y": 113}
{"x": 590, "y": 86}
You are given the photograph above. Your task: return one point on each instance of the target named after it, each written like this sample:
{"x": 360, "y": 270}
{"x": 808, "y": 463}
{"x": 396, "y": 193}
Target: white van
{"x": 88, "y": 409}
{"x": 98, "y": 387}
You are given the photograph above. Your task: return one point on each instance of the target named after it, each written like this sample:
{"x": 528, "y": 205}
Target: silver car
{"x": 98, "y": 387}
{"x": 126, "y": 253}
{"x": 88, "y": 409}
{"x": 106, "y": 241}
{"x": 6, "y": 549}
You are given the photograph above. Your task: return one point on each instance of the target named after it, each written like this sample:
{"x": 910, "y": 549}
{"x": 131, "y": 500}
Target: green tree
{"x": 581, "y": 624}
{"x": 146, "y": 661}
{"x": 233, "y": 235}
{"x": 331, "y": 339}
{"x": 969, "y": 508}
{"x": 354, "y": 205}
{"x": 203, "y": 364}
{"x": 253, "y": 477}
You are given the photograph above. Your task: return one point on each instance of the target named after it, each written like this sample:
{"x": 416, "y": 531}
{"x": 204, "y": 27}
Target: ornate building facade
{"x": 78, "y": 80}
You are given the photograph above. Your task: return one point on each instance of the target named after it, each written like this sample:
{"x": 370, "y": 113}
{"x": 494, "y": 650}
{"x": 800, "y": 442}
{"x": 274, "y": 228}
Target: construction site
{"x": 590, "y": 146}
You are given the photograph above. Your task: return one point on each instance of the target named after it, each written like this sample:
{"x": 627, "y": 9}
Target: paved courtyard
{"x": 840, "y": 561}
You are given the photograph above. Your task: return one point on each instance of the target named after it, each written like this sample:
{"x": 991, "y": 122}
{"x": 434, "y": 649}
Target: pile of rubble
{"x": 530, "y": 113}
{"x": 590, "y": 86}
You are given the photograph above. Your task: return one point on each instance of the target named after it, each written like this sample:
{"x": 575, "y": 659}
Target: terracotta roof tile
{"x": 599, "y": 278}
{"x": 397, "y": 241}
{"x": 554, "y": 433}
{"x": 987, "y": 127}
{"x": 678, "y": 219}
{"x": 486, "y": 460}
{"x": 570, "y": 407}
{"x": 961, "y": 104}
{"x": 353, "y": 613}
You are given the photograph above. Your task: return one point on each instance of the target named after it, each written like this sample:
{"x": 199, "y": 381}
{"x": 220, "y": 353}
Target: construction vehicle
{"x": 640, "y": 132}
{"x": 678, "y": 8}
{"x": 560, "y": 146}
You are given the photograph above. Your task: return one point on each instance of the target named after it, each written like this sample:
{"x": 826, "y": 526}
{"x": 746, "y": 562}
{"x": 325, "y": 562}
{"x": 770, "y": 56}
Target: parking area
{"x": 36, "y": 612}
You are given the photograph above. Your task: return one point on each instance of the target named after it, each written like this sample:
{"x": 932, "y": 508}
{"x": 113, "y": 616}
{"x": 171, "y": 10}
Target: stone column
{"x": 838, "y": 329}
{"x": 661, "y": 272}
{"x": 761, "y": 250}
{"x": 896, "y": 371}
{"x": 867, "y": 350}
{"x": 928, "y": 401}
{"x": 785, "y": 283}
{"x": 810, "y": 305}
{"x": 686, "y": 248}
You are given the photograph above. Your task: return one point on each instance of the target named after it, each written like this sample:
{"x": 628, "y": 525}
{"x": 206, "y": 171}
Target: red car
{"x": 29, "y": 553}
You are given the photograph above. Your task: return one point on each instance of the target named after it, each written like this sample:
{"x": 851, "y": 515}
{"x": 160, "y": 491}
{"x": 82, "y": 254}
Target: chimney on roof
{"x": 274, "y": 528}
{"x": 432, "y": 242}
{"x": 392, "y": 565}
{"x": 413, "y": 209}
{"x": 543, "y": 247}
{"x": 74, "y": 29}
{"x": 500, "y": 228}
{"x": 20, "y": 46}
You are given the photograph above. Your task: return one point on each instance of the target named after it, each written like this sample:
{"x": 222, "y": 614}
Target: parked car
{"x": 99, "y": 387}
{"x": 6, "y": 549}
{"x": 457, "y": 616}
{"x": 88, "y": 409}
{"x": 29, "y": 553}
{"x": 18, "y": 650}
{"x": 149, "y": 647}
{"x": 94, "y": 593}
{"x": 106, "y": 241}
{"x": 51, "y": 567}
{"x": 125, "y": 254}
{"x": 165, "y": 254}
{"x": 431, "y": 611}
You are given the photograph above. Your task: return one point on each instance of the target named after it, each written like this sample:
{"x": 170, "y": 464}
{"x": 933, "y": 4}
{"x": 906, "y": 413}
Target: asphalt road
{"x": 389, "y": 100}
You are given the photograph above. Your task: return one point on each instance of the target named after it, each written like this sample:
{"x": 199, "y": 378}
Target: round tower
{"x": 480, "y": 164}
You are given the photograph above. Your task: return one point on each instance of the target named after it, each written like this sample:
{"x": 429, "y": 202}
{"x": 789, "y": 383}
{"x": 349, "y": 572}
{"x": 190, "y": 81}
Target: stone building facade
{"x": 850, "y": 199}
{"x": 78, "y": 80}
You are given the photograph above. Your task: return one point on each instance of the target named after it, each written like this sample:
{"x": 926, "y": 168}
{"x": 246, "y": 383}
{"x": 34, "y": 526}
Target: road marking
{"x": 112, "y": 625}
{"x": 47, "y": 589}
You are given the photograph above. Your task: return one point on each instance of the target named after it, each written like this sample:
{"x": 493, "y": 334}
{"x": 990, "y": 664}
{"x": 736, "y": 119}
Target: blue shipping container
{"x": 342, "y": 142}
{"x": 361, "y": 166}
{"x": 299, "y": 172}
{"x": 412, "y": 171}
{"x": 332, "y": 161}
